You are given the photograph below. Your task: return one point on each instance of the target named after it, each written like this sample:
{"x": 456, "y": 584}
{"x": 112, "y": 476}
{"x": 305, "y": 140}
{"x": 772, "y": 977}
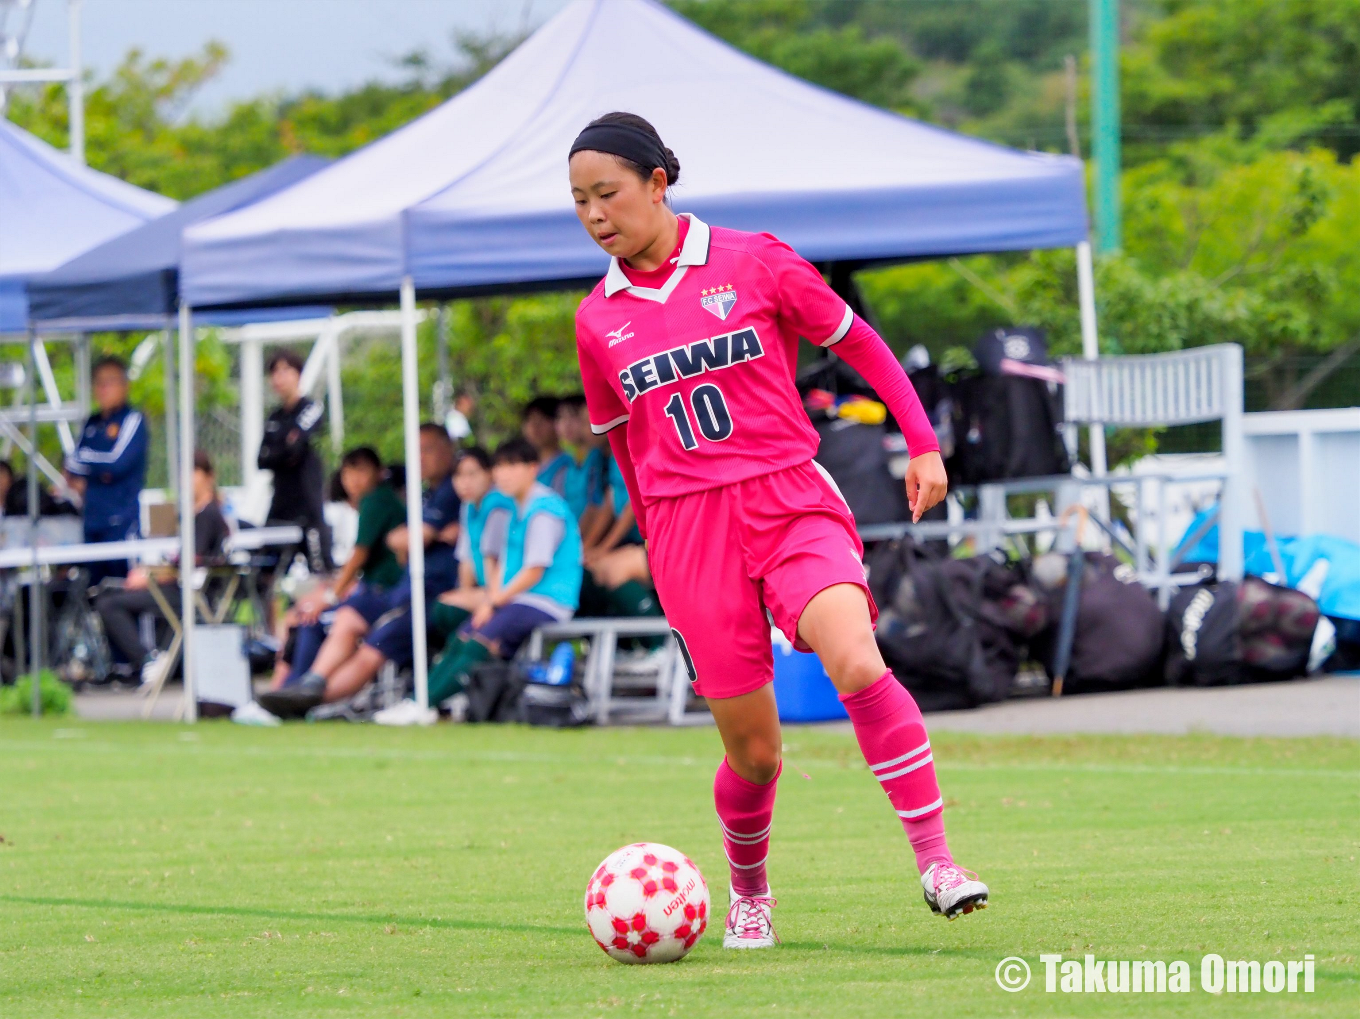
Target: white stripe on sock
{"x": 909, "y": 814}
{"x": 898, "y": 760}
{"x": 910, "y": 767}
{"x": 744, "y": 839}
{"x": 749, "y": 866}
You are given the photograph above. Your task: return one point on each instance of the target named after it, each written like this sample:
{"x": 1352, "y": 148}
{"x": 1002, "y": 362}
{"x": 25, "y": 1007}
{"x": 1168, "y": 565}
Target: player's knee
{"x": 856, "y": 667}
{"x": 757, "y": 760}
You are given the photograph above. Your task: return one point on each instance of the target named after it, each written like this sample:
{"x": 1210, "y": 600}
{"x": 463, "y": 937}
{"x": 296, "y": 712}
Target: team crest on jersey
{"x": 718, "y": 300}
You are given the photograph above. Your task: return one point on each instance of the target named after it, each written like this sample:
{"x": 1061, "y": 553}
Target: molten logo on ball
{"x": 647, "y": 903}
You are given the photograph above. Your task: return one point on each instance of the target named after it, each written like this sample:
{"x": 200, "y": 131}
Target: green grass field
{"x": 154, "y": 870}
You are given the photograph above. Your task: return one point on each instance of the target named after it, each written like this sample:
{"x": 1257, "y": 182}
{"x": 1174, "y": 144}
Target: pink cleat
{"x": 953, "y": 891}
{"x": 749, "y": 924}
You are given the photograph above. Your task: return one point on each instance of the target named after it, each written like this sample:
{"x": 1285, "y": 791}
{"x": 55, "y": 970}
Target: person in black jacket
{"x": 299, "y": 477}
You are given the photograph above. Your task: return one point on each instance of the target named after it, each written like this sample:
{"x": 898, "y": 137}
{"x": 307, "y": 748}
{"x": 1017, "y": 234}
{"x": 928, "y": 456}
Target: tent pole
{"x": 443, "y": 389}
{"x": 252, "y": 412}
{"x": 415, "y": 524}
{"x": 35, "y": 589}
{"x": 335, "y": 400}
{"x": 186, "y": 507}
{"x": 171, "y": 411}
{"x": 1090, "y": 350}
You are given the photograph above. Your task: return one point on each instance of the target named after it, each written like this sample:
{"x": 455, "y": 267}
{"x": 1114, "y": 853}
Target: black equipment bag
{"x": 494, "y": 690}
{"x": 1238, "y": 633}
{"x": 554, "y": 706}
{"x": 933, "y": 631}
{"x": 853, "y": 454}
{"x": 1006, "y": 423}
{"x": 1117, "y": 642}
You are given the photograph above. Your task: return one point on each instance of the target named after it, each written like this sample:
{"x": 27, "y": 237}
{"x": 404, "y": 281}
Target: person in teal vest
{"x": 538, "y": 425}
{"x": 535, "y": 580}
{"x": 587, "y": 475}
{"x": 472, "y": 483}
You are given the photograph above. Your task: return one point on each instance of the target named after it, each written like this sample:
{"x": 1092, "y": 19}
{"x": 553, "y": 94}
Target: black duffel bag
{"x": 494, "y": 690}
{"x": 931, "y": 630}
{"x": 1227, "y": 633}
{"x": 1118, "y": 638}
{"x": 556, "y": 706}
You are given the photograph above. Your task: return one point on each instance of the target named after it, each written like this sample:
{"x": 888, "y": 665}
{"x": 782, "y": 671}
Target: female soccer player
{"x": 688, "y": 348}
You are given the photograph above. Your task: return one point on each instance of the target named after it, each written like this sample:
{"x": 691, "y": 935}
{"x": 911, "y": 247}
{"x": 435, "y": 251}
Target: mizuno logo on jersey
{"x": 690, "y": 360}
{"x": 618, "y": 335}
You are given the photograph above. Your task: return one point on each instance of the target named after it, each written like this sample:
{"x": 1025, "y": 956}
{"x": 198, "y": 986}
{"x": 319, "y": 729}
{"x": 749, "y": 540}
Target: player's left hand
{"x": 927, "y": 483}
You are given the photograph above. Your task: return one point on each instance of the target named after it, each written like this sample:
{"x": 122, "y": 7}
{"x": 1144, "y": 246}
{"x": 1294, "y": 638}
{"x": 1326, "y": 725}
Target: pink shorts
{"x": 727, "y": 561}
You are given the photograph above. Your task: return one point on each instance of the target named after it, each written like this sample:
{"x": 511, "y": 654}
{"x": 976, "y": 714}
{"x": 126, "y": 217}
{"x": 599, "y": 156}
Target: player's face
{"x": 436, "y": 457}
{"x": 285, "y": 380}
{"x": 357, "y": 481}
{"x": 569, "y": 426}
{"x": 622, "y": 213}
{"x": 110, "y": 389}
{"x": 515, "y": 479}
{"x": 470, "y": 481}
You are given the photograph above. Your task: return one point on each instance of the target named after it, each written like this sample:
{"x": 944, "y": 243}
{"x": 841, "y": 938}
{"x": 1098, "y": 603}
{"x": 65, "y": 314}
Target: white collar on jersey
{"x": 693, "y": 252}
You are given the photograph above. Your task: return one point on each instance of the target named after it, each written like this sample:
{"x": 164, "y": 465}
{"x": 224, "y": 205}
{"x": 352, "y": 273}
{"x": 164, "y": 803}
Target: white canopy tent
{"x": 472, "y": 197}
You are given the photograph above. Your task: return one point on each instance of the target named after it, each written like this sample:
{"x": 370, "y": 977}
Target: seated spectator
{"x": 536, "y": 579}
{"x": 365, "y": 637}
{"x": 617, "y": 581}
{"x": 587, "y": 474}
{"x": 472, "y": 482}
{"x": 538, "y": 426}
{"x": 119, "y": 608}
{"x": 364, "y": 583}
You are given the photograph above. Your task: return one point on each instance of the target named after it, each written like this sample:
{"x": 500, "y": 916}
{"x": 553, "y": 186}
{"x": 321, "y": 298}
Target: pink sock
{"x": 892, "y": 736}
{"x": 745, "y": 811}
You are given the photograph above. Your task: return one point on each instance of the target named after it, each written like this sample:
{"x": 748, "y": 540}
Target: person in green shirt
{"x": 359, "y": 593}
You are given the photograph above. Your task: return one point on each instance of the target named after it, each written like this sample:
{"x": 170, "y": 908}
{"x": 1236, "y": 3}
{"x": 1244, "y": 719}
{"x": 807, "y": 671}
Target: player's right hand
{"x": 927, "y": 483}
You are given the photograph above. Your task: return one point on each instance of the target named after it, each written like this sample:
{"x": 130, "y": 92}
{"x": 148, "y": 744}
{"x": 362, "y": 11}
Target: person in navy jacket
{"x": 111, "y": 457}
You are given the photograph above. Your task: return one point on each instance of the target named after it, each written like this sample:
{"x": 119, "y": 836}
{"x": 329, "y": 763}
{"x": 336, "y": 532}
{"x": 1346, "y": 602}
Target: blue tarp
{"x": 132, "y": 281}
{"x": 474, "y": 196}
{"x": 1340, "y": 595}
{"x": 52, "y": 209}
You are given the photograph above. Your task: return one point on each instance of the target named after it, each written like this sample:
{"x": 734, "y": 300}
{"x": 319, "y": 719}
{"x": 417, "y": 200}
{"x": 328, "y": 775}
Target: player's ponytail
{"x": 632, "y": 140}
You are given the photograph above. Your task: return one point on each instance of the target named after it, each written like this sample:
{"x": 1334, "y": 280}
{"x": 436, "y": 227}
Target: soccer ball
{"x": 647, "y": 903}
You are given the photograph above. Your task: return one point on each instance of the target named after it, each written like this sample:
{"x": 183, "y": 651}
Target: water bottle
{"x": 560, "y": 665}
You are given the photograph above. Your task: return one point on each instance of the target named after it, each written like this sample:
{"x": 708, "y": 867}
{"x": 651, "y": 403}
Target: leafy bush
{"x": 18, "y": 699}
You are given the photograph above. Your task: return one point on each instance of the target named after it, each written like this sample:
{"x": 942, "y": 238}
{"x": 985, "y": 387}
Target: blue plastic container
{"x": 802, "y": 688}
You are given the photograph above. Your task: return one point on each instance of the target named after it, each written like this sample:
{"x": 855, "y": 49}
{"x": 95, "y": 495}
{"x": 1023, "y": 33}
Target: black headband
{"x": 625, "y": 141}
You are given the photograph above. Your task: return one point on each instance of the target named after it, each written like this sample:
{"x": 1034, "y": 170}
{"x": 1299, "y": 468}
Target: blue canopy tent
{"x": 51, "y": 210}
{"x": 132, "y": 280}
{"x": 472, "y": 197}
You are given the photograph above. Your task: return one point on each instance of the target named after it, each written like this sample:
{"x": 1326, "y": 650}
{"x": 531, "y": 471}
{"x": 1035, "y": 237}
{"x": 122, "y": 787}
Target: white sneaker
{"x": 153, "y": 668}
{"x": 406, "y": 712}
{"x": 953, "y": 891}
{"x": 250, "y": 713}
{"x": 749, "y": 924}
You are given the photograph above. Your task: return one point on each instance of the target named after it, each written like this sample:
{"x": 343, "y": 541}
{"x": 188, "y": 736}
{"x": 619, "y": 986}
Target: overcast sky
{"x": 277, "y": 45}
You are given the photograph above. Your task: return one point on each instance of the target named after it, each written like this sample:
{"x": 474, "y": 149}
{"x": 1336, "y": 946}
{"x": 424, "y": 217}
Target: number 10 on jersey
{"x": 710, "y": 414}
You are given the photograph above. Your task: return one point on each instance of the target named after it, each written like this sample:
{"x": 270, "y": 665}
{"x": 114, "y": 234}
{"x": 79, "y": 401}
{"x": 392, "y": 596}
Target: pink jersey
{"x": 702, "y": 369}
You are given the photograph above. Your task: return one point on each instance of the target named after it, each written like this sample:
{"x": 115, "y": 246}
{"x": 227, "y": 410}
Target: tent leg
{"x": 1090, "y": 350}
{"x": 37, "y": 639}
{"x": 410, "y": 392}
{"x": 252, "y": 412}
{"x": 186, "y": 507}
{"x": 335, "y": 399}
{"x": 171, "y": 412}
{"x": 443, "y": 389}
